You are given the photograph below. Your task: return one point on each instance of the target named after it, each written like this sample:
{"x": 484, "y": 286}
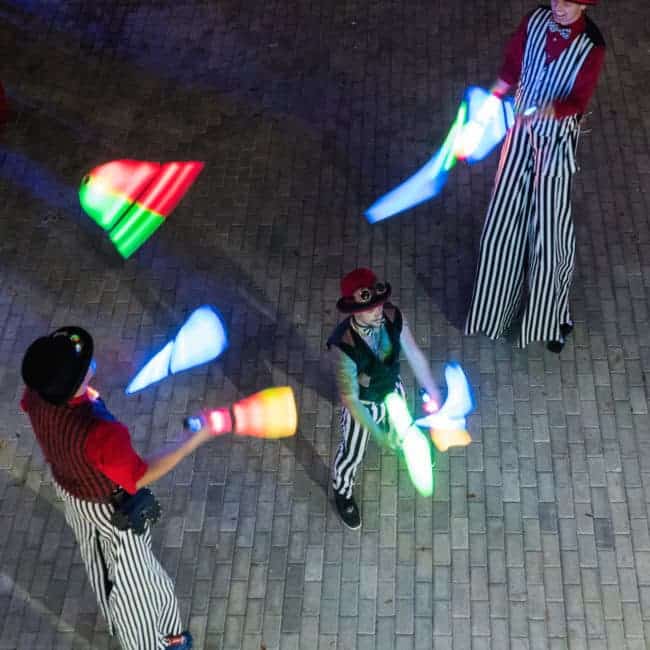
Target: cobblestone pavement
{"x": 304, "y": 112}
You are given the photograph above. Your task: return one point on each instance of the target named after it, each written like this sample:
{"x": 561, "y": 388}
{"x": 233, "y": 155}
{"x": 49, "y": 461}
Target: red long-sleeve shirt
{"x": 108, "y": 449}
{"x": 585, "y": 84}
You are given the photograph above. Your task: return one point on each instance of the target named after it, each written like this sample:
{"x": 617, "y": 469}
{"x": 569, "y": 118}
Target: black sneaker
{"x": 555, "y": 346}
{"x": 566, "y": 329}
{"x": 348, "y": 511}
{"x": 182, "y": 641}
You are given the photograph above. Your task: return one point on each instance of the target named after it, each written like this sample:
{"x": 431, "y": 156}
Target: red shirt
{"x": 585, "y": 84}
{"x": 108, "y": 449}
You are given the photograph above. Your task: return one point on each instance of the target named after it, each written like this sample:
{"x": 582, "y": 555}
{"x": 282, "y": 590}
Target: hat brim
{"x": 350, "y": 306}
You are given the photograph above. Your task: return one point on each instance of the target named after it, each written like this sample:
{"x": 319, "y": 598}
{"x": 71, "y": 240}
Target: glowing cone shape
{"x": 488, "y": 120}
{"x": 131, "y": 198}
{"x": 480, "y": 124}
{"x": 271, "y": 413}
{"x": 201, "y": 339}
{"x": 426, "y": 183}
{"x": 155, "y": 369}
{"x": 448, "y": 425}
{"x": 414, "y": 445}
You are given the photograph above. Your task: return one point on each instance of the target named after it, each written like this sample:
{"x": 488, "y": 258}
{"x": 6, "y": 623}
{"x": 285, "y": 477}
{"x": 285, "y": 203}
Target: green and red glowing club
{"x": 427, "y": 182}
{"x": 413, "y": 443}
{"x": 132, "y": 198}
{"x": 481, "y": 122}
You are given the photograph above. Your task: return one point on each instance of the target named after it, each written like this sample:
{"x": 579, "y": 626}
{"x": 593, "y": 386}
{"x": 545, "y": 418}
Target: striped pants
{"x": 528, "y": 238}
{"x": 354, "y": 440}
{"x": 134, "y": 593}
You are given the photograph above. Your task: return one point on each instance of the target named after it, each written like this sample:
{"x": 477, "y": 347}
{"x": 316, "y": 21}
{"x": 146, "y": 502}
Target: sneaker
{"x": 182, "y": 641}
{"x": 348, "y": 511}
{"x": 566, "y": 329}
{"x": 555, "y": 346}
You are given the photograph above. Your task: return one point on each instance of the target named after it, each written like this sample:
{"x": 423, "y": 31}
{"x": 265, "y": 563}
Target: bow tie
{"x": 564, "y": 32}
{"x": 365, "y": 330}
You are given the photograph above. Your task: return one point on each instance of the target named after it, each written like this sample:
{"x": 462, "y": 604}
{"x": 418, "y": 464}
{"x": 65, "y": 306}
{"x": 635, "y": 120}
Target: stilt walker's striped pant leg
{"x": 133, "y": 590}
{"x": 352, "y": 448}
{"x": 551, "y": 260}
{"x": 500, "y": 272}
{"x": 144, "y": 599}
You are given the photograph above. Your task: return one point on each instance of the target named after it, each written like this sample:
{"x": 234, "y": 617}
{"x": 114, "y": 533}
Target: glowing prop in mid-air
{"x": 413, "y": 443}
{"x": 131, "y": 198}
{"x": 270, "y": 414}
{"x": 448, "y": 426}
{"x": 201, "y": 339}
{"x": 480, "y": 124}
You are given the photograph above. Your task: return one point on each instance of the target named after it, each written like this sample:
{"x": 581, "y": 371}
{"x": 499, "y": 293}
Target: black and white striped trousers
{"x": 354, "y": 440}
{"x": 134, "y": 592}
{"x": 528, "y": 237}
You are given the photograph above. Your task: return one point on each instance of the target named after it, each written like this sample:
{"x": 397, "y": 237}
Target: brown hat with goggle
{"x": 360, "y": 291}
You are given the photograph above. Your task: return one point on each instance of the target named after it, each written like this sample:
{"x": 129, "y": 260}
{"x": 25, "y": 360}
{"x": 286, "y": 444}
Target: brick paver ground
{"x": 304, "y": 111}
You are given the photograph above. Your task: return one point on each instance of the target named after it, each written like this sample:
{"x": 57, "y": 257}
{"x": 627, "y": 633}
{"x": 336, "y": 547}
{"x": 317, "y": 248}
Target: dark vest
{"x": 61, "y": 432}
{"x": 383, "y": 375}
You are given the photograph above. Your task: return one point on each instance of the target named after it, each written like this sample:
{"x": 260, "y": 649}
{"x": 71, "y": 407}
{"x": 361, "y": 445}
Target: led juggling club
{"x": 201, "y": 339}
{"x": 132, "y": 198}
{"x": 426, "y": 183}
{"x": 413, "y": 443}
{"x": 448, "y": 426}
{"x": 270, "y": 414}
{"x": 480, "y": 124}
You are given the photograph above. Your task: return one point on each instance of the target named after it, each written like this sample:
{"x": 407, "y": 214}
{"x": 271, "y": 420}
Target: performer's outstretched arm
{"x": 165, "y": 460}
{"x": 513, "y": 58}
{"x": 419, "y": 364}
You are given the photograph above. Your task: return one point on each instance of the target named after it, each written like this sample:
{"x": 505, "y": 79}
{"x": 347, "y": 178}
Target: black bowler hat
{"x": 56, "y": 365}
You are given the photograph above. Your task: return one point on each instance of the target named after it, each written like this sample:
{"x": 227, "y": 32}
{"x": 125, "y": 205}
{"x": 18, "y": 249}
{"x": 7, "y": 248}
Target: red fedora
{"x": 360, "y": 291}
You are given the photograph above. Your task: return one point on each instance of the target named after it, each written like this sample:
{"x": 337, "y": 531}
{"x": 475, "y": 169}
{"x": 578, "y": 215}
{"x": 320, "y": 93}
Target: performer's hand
{"x": 392, "y": 440}
{"x": 547, "y": 111}
{"x": 543, "y": 112}
{"x": 204, "y": 434}
{"x": 434, "y": 401}
{"x": 386, "y": 439}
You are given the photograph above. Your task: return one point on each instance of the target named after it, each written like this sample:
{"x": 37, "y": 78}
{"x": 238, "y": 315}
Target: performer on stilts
{"x": 527, "y": 250}
{"x": 101, "y": 480}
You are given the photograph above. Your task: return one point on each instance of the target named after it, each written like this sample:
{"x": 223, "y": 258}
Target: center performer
{"x": 367, "y": 347}
{"x": 528, "y": 240}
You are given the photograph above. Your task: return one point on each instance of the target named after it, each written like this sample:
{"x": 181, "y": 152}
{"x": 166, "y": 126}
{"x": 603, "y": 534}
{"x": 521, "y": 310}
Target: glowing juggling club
{"x": 413, "y": 443}
{"x": 270, "y": 414}
{"x": 426, "y": 183}
{"x": 201, "y": 339}
{"x": 132, "y": 198}
{"x": 480, "y": 124}
{"x": 448, "y": 425}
